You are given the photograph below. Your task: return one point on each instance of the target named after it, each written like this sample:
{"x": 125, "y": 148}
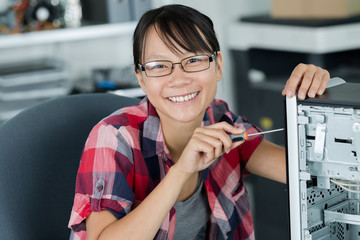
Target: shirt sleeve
{"x": 247, "y": 148}
{"x": 102, "y": 181}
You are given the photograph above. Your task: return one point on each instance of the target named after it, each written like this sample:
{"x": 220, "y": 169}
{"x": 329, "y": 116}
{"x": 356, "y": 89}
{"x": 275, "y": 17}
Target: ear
{"x": 140, "y": 79}
{"x": 219, "y": 66}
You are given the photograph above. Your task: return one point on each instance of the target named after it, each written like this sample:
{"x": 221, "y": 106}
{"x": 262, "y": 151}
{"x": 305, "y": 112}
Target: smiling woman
{"x": 178, "y": 82}
{"x": 167, "y": 168}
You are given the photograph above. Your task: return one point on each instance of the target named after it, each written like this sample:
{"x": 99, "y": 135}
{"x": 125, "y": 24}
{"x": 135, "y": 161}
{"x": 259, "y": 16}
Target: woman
{"x": 167, "y": 168}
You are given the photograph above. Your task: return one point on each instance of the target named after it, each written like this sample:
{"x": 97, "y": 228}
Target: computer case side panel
{"x": 293, "y": 168}
{"x": 324, "y": 164}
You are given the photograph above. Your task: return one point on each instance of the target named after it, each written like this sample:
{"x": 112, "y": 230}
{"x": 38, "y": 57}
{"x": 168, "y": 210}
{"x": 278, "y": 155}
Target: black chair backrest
{"x": 40, "y": 149}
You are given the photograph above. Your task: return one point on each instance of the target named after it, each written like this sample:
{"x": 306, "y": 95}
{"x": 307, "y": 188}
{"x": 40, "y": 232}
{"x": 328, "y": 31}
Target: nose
{"x": 180, "y": 65}
{"x": 178, "y": 76}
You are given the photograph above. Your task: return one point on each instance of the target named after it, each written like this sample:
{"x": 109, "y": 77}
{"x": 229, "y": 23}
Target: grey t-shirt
{"x": 192, "y": 215}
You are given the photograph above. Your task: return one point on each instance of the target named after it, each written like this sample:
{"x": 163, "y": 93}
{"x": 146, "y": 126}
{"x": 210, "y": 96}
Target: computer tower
{"x": 323, "y": 164}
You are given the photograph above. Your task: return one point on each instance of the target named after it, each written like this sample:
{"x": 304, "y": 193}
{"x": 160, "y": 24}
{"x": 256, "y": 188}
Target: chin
{"x": 187, "y": 117}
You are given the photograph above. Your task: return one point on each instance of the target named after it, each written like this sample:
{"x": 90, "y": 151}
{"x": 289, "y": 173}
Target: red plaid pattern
{"x": 125, "y": 157}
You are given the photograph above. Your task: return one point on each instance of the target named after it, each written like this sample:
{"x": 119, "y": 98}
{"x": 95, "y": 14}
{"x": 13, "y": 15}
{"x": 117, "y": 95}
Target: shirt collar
{"x": 153, "y": 142}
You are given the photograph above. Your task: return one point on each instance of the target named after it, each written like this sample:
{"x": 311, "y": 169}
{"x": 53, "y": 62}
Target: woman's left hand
{"x": 309, "y": 79}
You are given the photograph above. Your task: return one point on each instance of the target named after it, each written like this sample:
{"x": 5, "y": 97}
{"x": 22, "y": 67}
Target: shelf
{"x": 315, "y": 40}
{"x": 66, "y": 35}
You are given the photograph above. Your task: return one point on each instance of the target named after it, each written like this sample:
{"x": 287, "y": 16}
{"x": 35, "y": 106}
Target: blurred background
{"x": 51, "y": 48}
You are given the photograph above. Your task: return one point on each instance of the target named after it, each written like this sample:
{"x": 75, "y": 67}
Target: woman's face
{"x": 198, "y": 89}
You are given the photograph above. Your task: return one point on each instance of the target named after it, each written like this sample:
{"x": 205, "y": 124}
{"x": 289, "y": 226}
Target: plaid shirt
{"x": 125, "y": 157}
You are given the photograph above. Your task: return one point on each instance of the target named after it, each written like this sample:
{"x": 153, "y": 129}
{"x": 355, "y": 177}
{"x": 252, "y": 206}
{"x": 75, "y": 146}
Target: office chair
{"x": 40, "y": 149}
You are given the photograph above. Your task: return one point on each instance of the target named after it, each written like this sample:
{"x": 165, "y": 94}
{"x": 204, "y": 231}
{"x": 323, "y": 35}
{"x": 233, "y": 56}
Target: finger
{"x": 236, "y": 144}
{"x": 286, "y": 87}
{"x": 207, "y": 162}
{"x": 203, "y": 148}
{"x": 316, "y": 82}
{"x": 207, "y": 157}
{"x": 226, "y": 127}
{"x": 294, "y": 80}
{"x": 218, "y": 146}
{"x": 217, "y": 138}
{"x": 324, "y": 82}
{"x": 306, "y": 82}
{"x": 221, "y": 131}
{"x": 229, "y": 129}
{"x": 208, "y": 154}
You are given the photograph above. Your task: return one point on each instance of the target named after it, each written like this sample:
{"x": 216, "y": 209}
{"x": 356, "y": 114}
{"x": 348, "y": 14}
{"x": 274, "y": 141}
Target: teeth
{"x": 184, "y": 98}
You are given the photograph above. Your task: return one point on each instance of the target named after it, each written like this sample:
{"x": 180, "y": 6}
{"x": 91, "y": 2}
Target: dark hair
{"x": 176, "y": 24}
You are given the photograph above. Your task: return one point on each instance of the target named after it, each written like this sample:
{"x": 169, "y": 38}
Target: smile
{"x": 183, "y": 98}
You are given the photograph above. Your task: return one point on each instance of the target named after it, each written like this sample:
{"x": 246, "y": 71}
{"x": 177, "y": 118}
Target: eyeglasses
{"x": 192, "y": 64}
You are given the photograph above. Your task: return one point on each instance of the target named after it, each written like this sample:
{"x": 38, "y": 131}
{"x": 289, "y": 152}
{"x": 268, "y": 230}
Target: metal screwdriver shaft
{"x": 245, "y": 135}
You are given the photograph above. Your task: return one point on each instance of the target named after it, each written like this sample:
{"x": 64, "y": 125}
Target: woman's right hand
{"x": 206, "y": 145}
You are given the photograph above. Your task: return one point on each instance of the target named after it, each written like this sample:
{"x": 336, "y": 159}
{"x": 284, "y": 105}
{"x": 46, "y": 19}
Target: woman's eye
{"x": 193, "y": 60}
{"x": 158, "y": 66}
{"x": 197, "y": 60}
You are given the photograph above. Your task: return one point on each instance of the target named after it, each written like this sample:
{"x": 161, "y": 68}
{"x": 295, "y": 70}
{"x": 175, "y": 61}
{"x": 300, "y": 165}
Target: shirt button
{"x": 100, "y": 187}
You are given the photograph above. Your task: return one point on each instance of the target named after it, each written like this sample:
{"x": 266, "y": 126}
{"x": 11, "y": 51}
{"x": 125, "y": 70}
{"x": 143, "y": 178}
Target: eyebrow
{"x": 157, "y": 57}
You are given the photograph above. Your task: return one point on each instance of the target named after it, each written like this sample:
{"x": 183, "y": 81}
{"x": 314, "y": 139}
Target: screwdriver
{"x": 245, "y": 136}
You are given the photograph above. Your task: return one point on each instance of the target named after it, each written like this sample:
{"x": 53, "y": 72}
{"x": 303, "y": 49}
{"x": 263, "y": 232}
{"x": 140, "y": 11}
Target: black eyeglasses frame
{"x": 211, "y": 59}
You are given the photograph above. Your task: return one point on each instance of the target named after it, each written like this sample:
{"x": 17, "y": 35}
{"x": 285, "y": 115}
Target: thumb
{"x": 235, "y": 145}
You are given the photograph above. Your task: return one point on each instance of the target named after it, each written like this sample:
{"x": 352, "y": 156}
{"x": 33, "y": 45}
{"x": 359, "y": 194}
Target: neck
{"x": 178, "y": 134}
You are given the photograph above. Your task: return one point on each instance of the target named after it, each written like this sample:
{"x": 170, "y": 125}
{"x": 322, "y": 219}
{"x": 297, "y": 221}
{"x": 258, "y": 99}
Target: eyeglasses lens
{"x": 190, "y": 64}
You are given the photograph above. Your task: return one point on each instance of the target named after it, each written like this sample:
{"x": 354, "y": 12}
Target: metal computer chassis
{"x": 323, "y": 155}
